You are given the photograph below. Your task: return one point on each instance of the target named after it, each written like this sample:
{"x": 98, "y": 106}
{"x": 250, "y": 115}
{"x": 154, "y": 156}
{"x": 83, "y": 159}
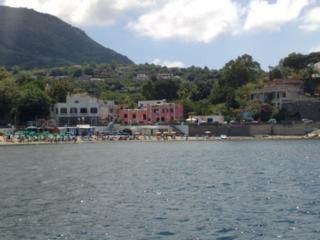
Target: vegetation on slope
{"x": 31, "y": 39}
{"x": 201, "y": 90}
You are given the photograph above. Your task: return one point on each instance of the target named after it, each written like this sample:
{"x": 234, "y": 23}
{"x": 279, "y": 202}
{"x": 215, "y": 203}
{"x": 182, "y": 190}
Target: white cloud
{"x": 311, "y": 21}
{"x": 82, "y": 12}
{"x": 167, "y": 63}
{"x": 191, "y": 20}
{"x": 265, "y": 15}
{"x": 315, "y": 49}
{"x": 188, "y": 20}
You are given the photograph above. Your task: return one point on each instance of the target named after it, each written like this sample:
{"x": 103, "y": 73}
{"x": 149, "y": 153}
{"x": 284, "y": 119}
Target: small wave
{"x": 166, "y": 233}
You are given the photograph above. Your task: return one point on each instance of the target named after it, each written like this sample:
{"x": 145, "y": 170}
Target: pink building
{"x": 150, "y": 112}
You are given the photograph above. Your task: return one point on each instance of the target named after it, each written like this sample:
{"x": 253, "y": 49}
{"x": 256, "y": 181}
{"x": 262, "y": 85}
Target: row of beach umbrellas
{"x": 35, "y": 134}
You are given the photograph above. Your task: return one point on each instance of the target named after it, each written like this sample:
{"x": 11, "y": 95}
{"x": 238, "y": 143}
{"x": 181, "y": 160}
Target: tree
{"x": 240, "y": 71}
{"x": 186, "y": 90}
{"x": 23, "y": 77}
{"x": 217, "y": 94}
{"x": 88, "y": 71}
{"x": 266, "y": 112}
{"x": 58, "y": 90}
{"x": 161, "y": 89}
{"x": 188, "y": 107}
{"x": 275, "y": 73}
{"x": 310, "y": 83}
{"x": 203, "y": 89}
{"x": 4, "y": 74}
{"x": 8, "y": 96}
{"x": 242, "y": 94}
{"x": 33, "y": 103}
{"x": 148, "y": 90}
{"x": 166, "y": 89}
{"x": 295, "y": 61}
{"x": 77, "y": 73}
{"x": 57, "y": 72}
{"x": 119, "y": 98}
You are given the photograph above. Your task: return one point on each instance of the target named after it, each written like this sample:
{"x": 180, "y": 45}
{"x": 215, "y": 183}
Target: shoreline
{"x": 155, "y": 140}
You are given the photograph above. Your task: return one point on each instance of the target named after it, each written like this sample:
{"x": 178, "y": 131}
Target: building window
{"x": 134, "y": 116}
{"x": 144, "y": 116}
{"x": 76, "y": 101}
{"x": 171, "y": 110}
{"x": 57, "y": 111}
{"x": 284, "y": 94}
{"x": 83, "y": 110}
{"x": 94, "y": 110}
{"x": 157, "y": 119}
{"x": 73, "y": 110}
{"x": 63, "y": 110}
{"x": 162, "y": 119}
{"x": 125, "y": 115}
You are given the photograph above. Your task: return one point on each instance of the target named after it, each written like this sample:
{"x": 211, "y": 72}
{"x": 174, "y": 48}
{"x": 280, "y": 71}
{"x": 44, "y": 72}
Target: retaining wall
{"x": 254, "y": 129}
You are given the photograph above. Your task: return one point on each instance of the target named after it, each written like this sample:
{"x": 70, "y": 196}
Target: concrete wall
{"x": 261, "y": 129}
{"x": 296, "y": 129}
{"x": 254, "y": 129}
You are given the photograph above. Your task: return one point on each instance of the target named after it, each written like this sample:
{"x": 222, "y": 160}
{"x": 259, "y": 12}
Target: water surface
{"x": 176, "y": 190}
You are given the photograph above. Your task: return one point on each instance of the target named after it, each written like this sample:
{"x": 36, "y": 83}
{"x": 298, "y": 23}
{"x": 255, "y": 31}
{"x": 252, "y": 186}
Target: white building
{"x": 84, "y": 109}
{"x": 203, "y": 119}
{"x": 316, "y": 68}
{"x": 141, "y": 77}
{"x": 164, "y": 76}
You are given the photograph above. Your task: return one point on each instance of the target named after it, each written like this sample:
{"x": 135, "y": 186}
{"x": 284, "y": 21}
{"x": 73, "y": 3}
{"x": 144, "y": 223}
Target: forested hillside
{"x": 32, "y": 39}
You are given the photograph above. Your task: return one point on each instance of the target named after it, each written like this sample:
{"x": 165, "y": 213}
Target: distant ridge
{"x": 32, "y": 39}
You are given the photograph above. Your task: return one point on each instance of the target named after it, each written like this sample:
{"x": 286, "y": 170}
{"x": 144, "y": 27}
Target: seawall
{"x": 299, "y": 129}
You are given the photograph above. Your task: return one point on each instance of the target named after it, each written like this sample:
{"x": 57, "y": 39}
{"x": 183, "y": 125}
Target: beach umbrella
{"x": 7, "y": 133}
{"x": 19, "y": 133}
{"x": 45, "y": 134}
{"x": 32, "y": 134}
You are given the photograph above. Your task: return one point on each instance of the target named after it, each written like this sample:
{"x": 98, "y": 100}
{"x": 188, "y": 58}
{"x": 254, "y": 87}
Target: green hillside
{"x": 32, "y": 39}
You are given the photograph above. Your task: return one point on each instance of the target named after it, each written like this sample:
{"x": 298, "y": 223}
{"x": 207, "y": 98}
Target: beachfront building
{"x": 278, "y": 91}
{"x": 151, "y": 112}
{"x": 288, "y": 94}
{"x": 84, "y": 109}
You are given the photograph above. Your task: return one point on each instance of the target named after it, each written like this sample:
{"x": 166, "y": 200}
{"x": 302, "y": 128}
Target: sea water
{"x": 220, "y": 190}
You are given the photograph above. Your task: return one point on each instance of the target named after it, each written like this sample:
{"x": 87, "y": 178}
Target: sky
{"x": 181, "y": 33}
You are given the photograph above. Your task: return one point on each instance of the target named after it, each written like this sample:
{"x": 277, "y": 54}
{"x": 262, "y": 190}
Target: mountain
{"x": 32, "y": 39}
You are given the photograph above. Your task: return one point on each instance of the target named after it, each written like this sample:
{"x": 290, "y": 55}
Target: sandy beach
{"x": 155, "y": 139}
